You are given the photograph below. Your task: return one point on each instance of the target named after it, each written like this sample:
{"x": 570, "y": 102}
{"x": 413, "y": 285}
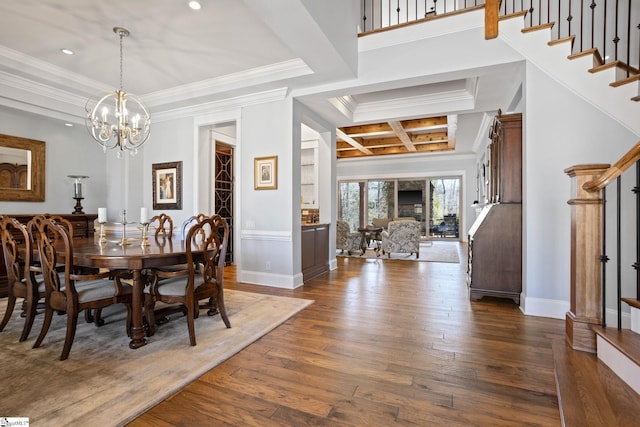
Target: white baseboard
{"x": 625, "y": 368}
{"x": 556, "y": 309}
{"x": 270, "y": 279}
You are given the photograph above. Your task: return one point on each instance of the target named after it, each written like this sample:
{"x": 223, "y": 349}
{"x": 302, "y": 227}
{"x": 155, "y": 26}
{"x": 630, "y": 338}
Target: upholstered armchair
{"x": 347, "y": 240}
{"x": 401, "y": 237}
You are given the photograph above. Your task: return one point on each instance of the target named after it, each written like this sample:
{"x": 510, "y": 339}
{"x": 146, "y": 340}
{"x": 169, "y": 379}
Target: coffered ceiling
{"x": 397, "y": 137}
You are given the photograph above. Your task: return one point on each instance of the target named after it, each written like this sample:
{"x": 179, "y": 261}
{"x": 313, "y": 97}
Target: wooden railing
{"x": 613, "y": 172}
{"x": 589, "y": 251}
{"x": 601, "y": 183}
{"x": 609, "y": 29}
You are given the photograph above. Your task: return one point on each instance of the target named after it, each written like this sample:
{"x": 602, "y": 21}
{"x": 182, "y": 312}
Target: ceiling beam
{"x": 402, "y": 134}
{"x": 355, "y": 144}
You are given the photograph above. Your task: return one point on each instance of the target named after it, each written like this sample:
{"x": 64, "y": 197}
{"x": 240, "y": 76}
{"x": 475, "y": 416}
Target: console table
{"x": 82, "y": 228}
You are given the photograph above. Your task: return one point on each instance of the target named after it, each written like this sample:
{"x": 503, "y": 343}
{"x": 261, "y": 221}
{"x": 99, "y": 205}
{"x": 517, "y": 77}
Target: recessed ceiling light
{"x": 67, "y": 51}
{"x": 195, "y": 5}
{"x": 68, "y": 124}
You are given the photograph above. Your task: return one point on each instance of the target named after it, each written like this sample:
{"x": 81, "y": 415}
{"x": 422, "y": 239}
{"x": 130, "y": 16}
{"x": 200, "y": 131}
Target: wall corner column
{"x": 586, "y": 268}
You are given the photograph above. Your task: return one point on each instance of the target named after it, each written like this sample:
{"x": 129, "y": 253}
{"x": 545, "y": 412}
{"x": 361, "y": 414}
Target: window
{"x": 437, "y": 209}
{"x": 350, "y": 194}
{"x": 380, "y": 200}
{"x": 444, "y": 207}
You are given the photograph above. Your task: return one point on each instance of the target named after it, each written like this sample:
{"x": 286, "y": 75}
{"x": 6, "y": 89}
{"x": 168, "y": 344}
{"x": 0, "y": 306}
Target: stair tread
{"x": 626, "y": 341}
{"x": 589, "y": 392}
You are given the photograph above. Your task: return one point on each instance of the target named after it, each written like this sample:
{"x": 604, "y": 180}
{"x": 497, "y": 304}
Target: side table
{"x": 367, "y": 233}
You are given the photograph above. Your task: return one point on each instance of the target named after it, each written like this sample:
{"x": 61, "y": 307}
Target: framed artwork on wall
{"x": 167, "y": 185}
{"x": 265, "y": 173}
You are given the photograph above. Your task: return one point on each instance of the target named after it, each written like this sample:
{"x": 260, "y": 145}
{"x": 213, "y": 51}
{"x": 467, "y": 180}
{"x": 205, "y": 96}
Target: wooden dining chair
{"x": 187, "y": 223}
{"x": 71, "y": 292}
{"x": 179, "y": 269}
{"x": 21, "y": 277}
{"x": 163, "y": 225}
{"x": 205, "y": 263}
{"x": 32, "y": 224}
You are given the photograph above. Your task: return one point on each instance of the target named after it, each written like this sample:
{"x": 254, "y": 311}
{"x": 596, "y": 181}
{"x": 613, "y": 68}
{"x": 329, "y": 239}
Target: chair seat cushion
{"x": 173, "y": 286}
{"x": 94, "y": 290}
{"x": 175, "y": 268}
{"x": 41, "y": 286}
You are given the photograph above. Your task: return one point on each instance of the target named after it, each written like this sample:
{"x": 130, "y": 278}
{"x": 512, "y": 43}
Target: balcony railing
{"x": 609, "y": 28}
{"x": 386, "y": 14}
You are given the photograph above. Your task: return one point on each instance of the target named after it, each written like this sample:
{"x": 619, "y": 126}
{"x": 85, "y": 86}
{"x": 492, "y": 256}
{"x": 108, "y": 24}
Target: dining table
{"x": 134, "y": 257}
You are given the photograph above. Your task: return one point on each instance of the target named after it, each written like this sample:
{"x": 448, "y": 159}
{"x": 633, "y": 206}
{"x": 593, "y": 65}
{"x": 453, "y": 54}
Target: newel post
{"x": 586, "y": 268}
{"x": 491, "y": 12}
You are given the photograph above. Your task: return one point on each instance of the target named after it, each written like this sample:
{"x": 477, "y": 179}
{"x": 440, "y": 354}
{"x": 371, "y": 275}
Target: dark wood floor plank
{"x": 386, "y": 342}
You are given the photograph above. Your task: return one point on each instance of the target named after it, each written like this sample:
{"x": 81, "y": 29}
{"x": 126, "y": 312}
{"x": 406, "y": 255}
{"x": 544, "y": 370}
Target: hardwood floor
{"x": 386, "y": 342}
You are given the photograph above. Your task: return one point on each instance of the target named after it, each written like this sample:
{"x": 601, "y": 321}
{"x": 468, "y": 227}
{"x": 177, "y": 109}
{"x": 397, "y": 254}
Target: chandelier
{"x": 119, "y": 119}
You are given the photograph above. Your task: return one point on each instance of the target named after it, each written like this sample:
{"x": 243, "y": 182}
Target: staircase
{"x": 592, "y": 390}
{"x": 603, "y": 86}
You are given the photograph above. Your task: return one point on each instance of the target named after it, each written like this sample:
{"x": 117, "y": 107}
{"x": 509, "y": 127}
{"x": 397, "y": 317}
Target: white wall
{"x": 560, "y": 130}
{"x": 70, "y": 151}
{"x": 171, "y": 141}
{"x": 267, "y": 215}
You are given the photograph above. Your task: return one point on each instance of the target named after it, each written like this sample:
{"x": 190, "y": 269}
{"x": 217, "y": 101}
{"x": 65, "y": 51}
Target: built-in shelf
{"x": 309, "y": 175}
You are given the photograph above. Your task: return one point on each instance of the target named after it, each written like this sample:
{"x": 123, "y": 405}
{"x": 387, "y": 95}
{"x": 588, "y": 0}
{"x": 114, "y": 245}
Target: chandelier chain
{"x": 122, "y": 34}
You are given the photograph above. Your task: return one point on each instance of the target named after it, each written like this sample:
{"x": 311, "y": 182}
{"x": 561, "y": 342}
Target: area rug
{"x": 104, "y": 383}
{"x": 430, "y": 251}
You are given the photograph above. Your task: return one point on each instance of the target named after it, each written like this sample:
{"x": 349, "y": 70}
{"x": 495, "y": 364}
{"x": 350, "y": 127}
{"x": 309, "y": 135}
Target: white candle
{"x": 77, "y": 189}
{"x": 102, "y": 214}
{"x": 144, "y": 216}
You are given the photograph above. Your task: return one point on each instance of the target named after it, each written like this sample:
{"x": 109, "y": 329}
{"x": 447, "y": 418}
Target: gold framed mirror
{"x": 22, "y": 169}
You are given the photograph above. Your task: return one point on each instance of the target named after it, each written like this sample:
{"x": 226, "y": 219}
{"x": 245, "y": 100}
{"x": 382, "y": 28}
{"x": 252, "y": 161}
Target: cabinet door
{"x": 506, "y": 159}
{"x": 511, "y": 160}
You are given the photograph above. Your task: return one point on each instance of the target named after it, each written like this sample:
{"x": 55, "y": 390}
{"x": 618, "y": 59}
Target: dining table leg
{"x": 137, "y": 327}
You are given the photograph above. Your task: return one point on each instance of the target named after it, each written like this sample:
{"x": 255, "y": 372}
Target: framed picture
{"x": 265, "y": 173}
{"x": 167, "y": 185}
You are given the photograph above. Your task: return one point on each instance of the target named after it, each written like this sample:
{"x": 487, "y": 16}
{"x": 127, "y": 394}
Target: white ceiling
{"x": 177, "y": 57}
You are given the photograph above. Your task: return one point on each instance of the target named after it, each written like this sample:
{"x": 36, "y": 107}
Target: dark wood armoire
{"x": 495, "y": 239}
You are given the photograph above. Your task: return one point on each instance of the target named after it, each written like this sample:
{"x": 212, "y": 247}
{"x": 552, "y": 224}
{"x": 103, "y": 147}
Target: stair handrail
{"x": 613, "y": 172}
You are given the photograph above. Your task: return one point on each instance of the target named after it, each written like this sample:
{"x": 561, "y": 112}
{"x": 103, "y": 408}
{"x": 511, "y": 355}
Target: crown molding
{"x": 346, "y": 105}
{"x": 482, "y": 137}
{"x": 455, "y": 100}
{"x": 47, "y": 72}
{"x": 256, "y": 76}
{"x": 222, "y": 105}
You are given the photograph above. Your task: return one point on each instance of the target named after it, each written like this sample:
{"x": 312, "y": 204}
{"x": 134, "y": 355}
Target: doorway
{"x": 223, "y": 190}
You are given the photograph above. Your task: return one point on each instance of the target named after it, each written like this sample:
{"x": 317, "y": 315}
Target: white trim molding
{"x": 556, "y": 309}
